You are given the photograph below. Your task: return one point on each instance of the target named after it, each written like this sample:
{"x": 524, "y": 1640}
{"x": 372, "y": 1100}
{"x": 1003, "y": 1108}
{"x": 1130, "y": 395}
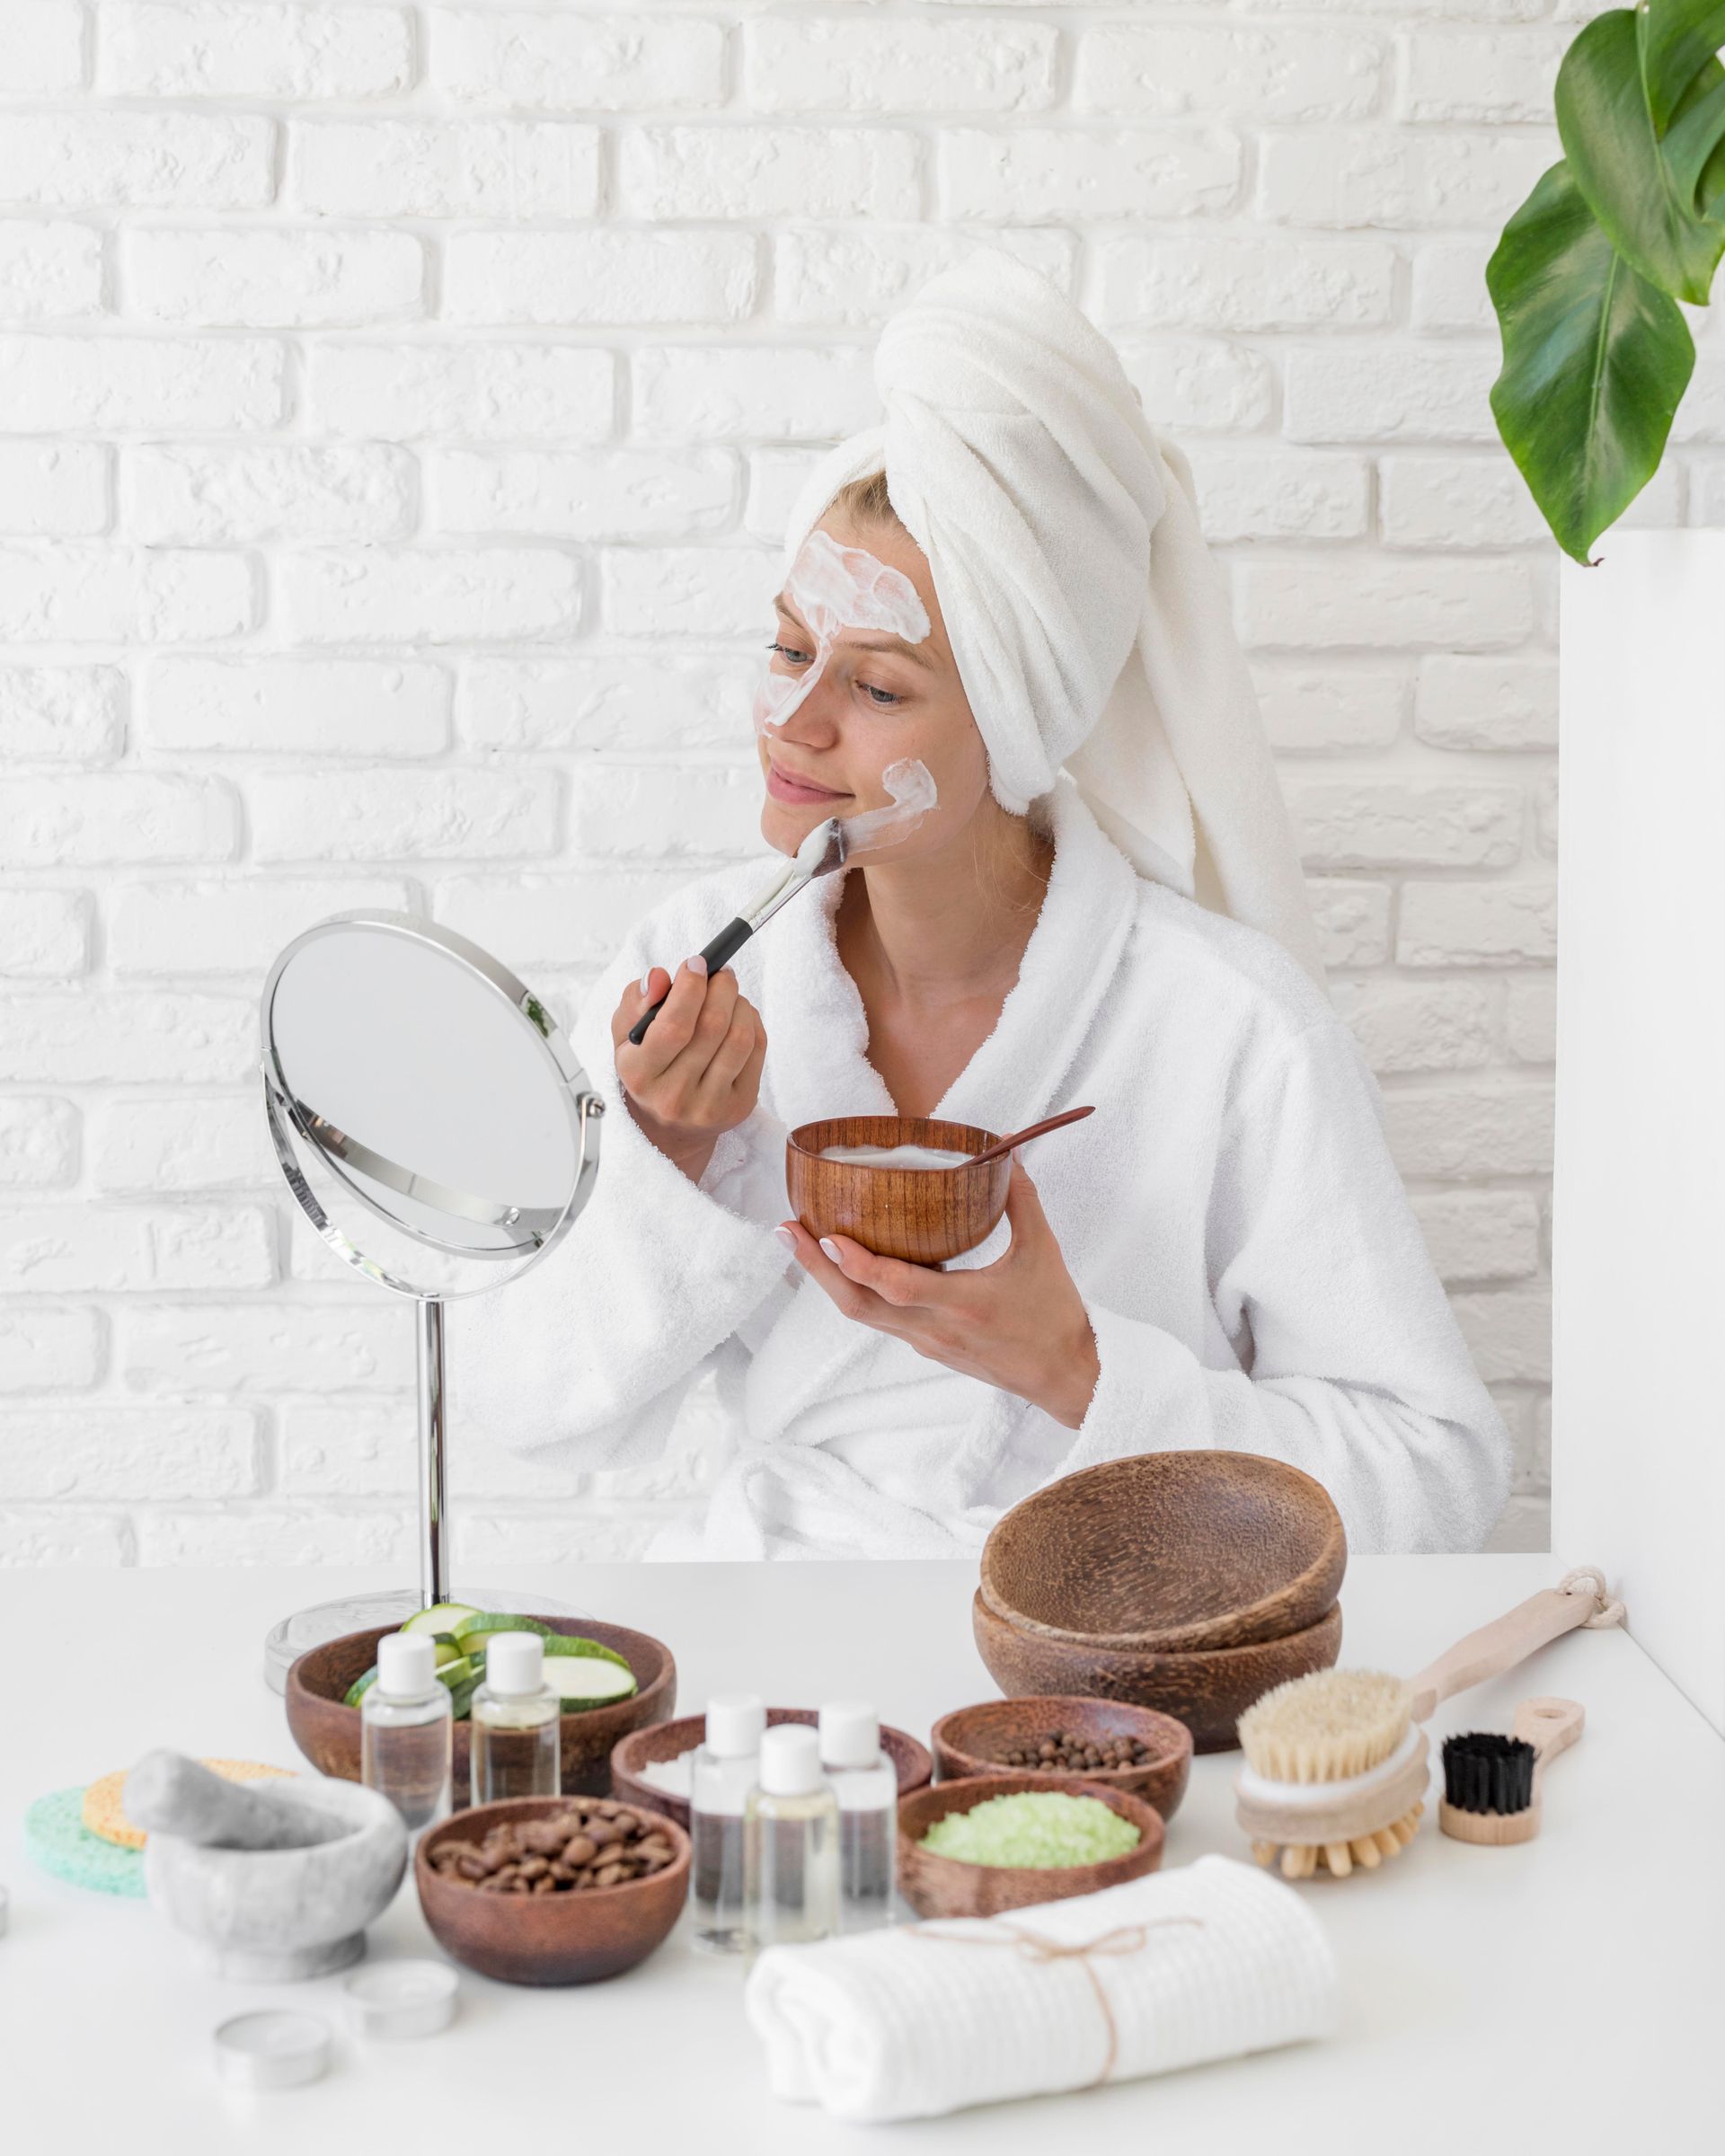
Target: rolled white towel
{"x": 923, "y": 2020}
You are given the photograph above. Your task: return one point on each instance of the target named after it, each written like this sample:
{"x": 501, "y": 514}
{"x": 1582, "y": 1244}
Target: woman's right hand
{"x": 697, "y": 1073}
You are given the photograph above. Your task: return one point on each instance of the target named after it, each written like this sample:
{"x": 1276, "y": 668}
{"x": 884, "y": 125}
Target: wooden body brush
{"x": 1491, "y": 1783}
{"x": 1337, "y": 1764}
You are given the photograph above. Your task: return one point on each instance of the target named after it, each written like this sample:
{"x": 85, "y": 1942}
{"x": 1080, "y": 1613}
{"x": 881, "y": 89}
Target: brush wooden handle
{"x": 1500, "y": 1646}
{"x": 1549, "y": 1727}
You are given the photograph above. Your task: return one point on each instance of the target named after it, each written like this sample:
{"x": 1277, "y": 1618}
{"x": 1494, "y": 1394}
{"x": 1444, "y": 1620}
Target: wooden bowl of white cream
{"x": 902, "y": 1185}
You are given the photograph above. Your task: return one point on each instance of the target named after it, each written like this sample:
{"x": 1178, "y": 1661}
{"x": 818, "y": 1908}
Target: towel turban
{"x": 1089, "y": 620}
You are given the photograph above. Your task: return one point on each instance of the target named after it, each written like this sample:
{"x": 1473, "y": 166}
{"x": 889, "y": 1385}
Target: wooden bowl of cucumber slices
{"x": 612, "y": 1681}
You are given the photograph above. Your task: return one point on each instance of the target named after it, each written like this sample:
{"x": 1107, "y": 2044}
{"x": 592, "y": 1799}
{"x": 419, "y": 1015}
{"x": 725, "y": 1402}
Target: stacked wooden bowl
{"x": 1188, "y": 1582}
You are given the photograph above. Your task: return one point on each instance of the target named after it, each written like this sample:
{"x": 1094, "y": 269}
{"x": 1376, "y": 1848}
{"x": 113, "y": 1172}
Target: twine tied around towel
{"x": 1126, "y": 1939}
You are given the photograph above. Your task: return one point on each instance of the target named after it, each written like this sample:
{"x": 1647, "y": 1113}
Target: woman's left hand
{"x": 1018, "y": 1323}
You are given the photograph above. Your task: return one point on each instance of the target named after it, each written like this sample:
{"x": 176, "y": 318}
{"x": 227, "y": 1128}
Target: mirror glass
{"x": 440, "y": 1137}
{"x": 432, "y": 1123}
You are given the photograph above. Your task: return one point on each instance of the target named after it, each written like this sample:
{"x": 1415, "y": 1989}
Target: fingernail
{"x": 646, "y": 980}
{"x": 786, "y": 1238}
{"x": 698, "y": 964}
{"x": 830, "y": 1248}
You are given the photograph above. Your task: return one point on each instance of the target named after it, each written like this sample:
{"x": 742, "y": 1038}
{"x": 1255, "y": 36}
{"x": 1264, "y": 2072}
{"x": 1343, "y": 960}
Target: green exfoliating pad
{"x": 56, "y": 1835}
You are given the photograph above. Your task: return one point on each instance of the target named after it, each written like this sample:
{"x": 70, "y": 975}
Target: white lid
{"x": 407, "y": 1666}
{"x": 514, "y": 1663}
{"x": 850, "y": 1734}
{"x": 790, "y": 1760}
{"x": 735, "y": 1721}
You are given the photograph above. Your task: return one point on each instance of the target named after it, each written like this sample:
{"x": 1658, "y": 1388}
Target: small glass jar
{"x": 407, "y": 1731}
{"x": 514, "y": 1744}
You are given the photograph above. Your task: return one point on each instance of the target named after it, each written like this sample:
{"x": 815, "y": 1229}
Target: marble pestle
{"x": 166, "y": 1793}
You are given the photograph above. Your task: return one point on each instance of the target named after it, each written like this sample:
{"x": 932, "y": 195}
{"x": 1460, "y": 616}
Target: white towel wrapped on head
{"x": 922, "y": 2019}
{"x": 1091, "y": 624}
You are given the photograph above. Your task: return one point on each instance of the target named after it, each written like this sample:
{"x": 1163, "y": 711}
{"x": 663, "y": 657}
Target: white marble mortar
{"x": 265, "y": 1915}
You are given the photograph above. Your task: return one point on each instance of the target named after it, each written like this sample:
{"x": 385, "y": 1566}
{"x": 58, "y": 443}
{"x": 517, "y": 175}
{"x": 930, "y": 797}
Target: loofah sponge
{"x": 55, "y": 1836}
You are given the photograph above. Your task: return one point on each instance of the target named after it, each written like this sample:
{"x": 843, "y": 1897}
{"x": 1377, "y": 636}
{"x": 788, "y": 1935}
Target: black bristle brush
{"x": 1492, "y": 1782}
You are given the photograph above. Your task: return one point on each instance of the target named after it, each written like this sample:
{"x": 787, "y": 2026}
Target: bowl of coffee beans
{"x": 552, "y": 1889}
{"x": 1137, "y": 1749}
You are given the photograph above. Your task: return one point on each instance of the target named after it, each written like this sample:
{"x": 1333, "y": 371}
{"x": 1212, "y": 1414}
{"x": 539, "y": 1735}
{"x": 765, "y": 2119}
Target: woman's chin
{"x": 783, "y": 828}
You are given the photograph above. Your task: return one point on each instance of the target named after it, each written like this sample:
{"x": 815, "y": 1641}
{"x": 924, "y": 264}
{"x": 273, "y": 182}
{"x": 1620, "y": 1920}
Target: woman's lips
{"x": 782, "y": 787}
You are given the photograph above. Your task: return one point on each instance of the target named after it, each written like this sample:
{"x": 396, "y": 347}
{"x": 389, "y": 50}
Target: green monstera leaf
{"x": 1587, "y": 278}
{"x": 1596, "y": 360}
{"x": 1640, "y": 175}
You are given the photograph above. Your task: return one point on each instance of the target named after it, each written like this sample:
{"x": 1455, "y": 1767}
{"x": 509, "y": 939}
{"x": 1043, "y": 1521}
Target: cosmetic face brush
{"x": 824, "y": 851}
{"x": 1336, "y": 1763}
{"x": 1491, "y": 1783}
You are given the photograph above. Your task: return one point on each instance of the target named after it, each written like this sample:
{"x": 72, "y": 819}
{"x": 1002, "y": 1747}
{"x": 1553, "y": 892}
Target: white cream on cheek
{"x": 835, "y": 588}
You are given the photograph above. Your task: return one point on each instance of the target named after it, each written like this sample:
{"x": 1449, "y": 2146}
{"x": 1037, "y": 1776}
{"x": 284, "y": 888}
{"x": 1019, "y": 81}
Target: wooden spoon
{"x": 1019, "y": 1137}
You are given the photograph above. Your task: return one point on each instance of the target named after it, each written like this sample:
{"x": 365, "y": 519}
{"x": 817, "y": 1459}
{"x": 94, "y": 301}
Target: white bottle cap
{"x": 850, "y": 1734}
{"x": 514, "y": 1663}
{"x": 407, "y": 1666}
{"x": 790, "y": 1760}
{"x": 735, "y": 1721}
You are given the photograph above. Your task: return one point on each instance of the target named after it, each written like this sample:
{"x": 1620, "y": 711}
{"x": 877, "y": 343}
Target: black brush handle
{"x": 722, "y": 948}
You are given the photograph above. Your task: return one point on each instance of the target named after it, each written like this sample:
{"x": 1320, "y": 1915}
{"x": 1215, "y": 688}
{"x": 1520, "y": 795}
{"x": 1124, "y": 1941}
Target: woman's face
{"x": 879, "y": 697}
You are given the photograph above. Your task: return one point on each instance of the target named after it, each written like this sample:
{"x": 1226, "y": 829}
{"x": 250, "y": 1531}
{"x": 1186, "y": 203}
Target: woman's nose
{"x": 813, "y": 722}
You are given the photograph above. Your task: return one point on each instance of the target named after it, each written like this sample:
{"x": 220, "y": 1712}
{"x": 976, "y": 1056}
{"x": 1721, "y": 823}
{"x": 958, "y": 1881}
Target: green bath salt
{"x": 1039, "y": 1829}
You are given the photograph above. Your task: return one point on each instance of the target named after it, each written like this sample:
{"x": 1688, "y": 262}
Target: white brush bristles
{"x": 1328, "y": 1727}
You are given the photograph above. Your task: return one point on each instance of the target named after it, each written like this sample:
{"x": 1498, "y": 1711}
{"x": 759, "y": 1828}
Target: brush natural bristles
{"x": 1328, "y": 1727}
{"x": 1362, "y": 1852}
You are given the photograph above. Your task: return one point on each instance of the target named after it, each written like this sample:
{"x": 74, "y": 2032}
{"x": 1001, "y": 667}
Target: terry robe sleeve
{"x": 1353, "y": 1367}
{"x": 584, "y": 1361}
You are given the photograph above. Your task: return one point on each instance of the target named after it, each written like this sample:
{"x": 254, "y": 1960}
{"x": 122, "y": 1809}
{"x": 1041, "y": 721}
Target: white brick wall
{"x": 398, "y": 407}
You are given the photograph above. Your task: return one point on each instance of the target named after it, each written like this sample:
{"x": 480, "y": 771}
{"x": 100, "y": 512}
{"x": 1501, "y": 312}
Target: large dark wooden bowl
{"x": 937, "y": 1885}
{"x": 1208, "y": 1689}
{"x": 554, "y": 1937}
{"x": 668, "y": 1740}
{"x": 973, "y": 1741}
{"x": 327, "y": 1733}
{"x": 924, "y": 1215}
{"x": 1170, "y": 1550}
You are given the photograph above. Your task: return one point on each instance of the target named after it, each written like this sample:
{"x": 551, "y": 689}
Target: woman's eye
{"x": 790, "y": 653}
{"x": 883, "y": 699}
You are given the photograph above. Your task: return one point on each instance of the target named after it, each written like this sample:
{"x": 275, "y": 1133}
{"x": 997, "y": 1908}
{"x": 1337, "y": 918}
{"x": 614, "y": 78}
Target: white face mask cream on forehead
{"x": 833, "y": 588}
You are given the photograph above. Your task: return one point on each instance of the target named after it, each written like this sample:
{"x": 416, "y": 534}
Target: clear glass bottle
{"x": 866, "y": 1784}
{"x": 514, "y": 1744}
{"x": 725, "y": 1769}
{"x": 789, "y": 1845}
{"x": 407, "y": 1731}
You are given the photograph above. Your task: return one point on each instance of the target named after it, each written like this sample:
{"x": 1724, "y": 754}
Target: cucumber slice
{"x": 458, "y": 1672}
{"x": 359, "y": 1687}
{"x": 442, "y": 1617}
{"x": 446, "y": 1652}
{"x": 565, "y": 1643}
{"x": 461, "y": 1696}
{"x": 586, "y": 1681}
{"x": 479, "y": 1624}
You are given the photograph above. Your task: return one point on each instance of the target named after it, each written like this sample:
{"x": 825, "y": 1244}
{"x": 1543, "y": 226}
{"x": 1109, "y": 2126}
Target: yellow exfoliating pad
{"x": 103, "y": 1813}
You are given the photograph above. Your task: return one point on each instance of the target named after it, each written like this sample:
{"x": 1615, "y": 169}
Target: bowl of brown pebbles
{"x": 1137, "y": 1749}
{"x": 552, "y": 1889}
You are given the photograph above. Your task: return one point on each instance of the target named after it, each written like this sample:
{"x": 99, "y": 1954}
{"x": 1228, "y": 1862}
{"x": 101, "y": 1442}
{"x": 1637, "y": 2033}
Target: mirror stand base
{"x": 284, "y": 1643}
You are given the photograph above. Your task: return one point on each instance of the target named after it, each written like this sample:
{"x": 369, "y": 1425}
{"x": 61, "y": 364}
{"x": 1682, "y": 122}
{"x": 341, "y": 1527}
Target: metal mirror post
{"x": 439, "y": 1135}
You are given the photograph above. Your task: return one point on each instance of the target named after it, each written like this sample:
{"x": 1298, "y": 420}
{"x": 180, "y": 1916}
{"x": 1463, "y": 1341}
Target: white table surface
{"x": 1566, "y": 1994}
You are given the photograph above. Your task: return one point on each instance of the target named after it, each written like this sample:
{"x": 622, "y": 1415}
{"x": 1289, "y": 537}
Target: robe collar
{"x": 817, "y": 1028}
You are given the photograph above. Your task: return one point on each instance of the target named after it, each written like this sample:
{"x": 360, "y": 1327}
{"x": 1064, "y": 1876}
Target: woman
{"x": 1004, "y": 584}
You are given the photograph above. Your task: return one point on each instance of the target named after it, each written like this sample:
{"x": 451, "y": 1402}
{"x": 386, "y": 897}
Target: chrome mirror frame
{"x": 293, "y": 1123}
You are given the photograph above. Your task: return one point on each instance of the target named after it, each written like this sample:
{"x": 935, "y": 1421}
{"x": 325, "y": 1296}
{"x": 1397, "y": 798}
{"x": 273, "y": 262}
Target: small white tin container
{"x": 272, "y": 2050}
{"x": 402, "y": 1998}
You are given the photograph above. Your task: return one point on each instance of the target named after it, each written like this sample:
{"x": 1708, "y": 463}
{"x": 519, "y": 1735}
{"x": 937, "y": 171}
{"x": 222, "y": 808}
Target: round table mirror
{"x": 439, "y": 1136}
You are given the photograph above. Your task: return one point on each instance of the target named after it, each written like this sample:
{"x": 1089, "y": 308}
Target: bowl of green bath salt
{"x": 997, "y": 1842}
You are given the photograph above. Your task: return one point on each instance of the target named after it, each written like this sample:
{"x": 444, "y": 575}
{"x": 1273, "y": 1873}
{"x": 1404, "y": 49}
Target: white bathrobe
{"x": 1253, "y": 1273}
